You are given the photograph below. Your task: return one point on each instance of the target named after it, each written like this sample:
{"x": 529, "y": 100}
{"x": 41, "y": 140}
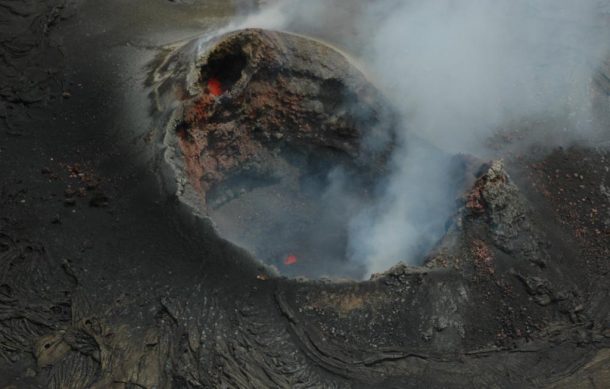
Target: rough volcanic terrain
{"x": 108, "y": 279}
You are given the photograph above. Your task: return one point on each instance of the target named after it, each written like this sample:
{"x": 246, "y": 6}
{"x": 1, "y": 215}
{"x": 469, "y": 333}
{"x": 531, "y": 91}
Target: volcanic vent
{"x": 281, "y": 140}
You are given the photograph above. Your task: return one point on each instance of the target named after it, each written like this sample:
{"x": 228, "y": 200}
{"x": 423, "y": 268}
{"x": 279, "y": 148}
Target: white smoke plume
{"x": 457, "y": 71}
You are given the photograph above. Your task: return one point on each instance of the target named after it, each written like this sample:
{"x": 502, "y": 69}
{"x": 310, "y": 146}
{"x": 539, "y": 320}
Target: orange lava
{"x": 215, "y": 87}
{"x": 290, "y": 260}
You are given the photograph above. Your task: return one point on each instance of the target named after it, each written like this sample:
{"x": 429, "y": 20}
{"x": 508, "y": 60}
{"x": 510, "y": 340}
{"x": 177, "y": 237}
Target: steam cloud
{"x": 457, "y": 71}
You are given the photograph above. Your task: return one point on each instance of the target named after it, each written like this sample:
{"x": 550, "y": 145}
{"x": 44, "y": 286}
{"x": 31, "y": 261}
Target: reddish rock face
{"x": 261, "y": 95}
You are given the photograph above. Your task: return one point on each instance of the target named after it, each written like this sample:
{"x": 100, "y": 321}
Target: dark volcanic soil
{"x": 107, "y": 281}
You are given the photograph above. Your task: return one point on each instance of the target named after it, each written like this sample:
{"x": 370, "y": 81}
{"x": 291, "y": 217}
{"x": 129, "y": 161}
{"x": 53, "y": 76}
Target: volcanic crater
{"x": 280, "y": 139}
{"x": 135, "y": 292}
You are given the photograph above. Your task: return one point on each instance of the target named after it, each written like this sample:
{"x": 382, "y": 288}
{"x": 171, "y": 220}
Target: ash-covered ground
{"x": 109, "y": 279}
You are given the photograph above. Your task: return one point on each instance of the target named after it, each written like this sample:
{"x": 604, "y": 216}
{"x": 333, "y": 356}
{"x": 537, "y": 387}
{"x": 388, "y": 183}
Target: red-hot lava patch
{"x": 214, "y": 87}
{"x": 290, "y": 260}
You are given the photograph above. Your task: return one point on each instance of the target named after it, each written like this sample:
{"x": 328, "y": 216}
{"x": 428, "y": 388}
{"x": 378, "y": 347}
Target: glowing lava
{"x": 215, "y": 87}
{"x": 290, "y": 260}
